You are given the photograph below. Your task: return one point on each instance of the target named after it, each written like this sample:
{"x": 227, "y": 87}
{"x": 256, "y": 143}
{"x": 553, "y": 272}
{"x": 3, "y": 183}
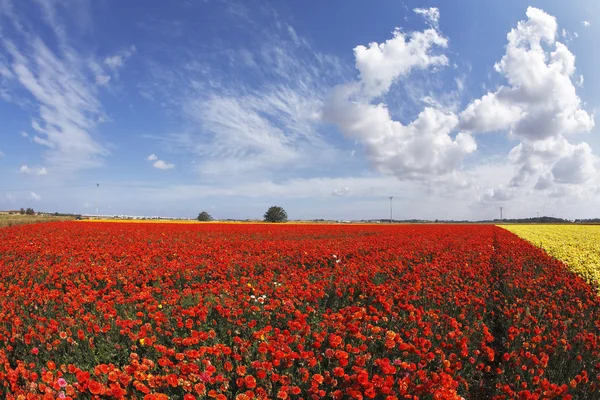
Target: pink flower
{"x": 35, "y": 351}
{"x": 204, "y": 376}
{"x": 62, "y": 382}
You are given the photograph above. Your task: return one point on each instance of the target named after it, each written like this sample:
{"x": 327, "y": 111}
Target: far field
{"x": 18, "y": 219}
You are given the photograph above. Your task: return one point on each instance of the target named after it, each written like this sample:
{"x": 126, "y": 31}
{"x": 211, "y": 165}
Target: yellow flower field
{"x": 577, "y": 245}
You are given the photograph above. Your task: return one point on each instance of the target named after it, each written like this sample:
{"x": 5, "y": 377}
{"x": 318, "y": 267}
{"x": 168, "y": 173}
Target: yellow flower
{"x": 160, "y": 306}
{"x": 575, "y": 245}
{"x": 142, "y": 341}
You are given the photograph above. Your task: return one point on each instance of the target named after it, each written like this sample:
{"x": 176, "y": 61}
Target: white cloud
{"x": 343, "y": 191}
{"x": 497, "y": 195}
{"x": 117, "y": 60}
{"x": 539, "y": 106}
{"x": 585, "y": 23}
{"x": 102, "y": 80}
{"x": 419, "y": 150}
{"x": 381, "y": 64}
{"x": 431, "y": 15}
{"x": 254, "y": 131}
{"x": 159, "y": 164}
{"x": 541, "y": 100}
{"x": 59, "y": 82}
{"x": 553, "y": 160}
{"x": 35, "y": 196}
{"x": 163, "y": 165}
{"x": 258, "y": 126}
{"x": 26, "y": 170}
{"x": 114, "y": 61}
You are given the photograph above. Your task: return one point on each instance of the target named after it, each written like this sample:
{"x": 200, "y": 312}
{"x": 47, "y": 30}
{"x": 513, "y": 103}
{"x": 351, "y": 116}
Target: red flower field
{"x": 157, "y": 311}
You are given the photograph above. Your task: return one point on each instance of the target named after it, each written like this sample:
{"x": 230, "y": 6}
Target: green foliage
{"x": 276, "y": 214}
{"x": 204, "y": 216}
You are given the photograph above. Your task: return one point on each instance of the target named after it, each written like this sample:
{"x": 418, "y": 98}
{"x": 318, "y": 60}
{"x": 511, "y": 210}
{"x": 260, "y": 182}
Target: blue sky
{"x": 324, "y": 108}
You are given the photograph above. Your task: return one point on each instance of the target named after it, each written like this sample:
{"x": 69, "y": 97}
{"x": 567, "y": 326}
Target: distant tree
{"x": 204, "y": 216}
{"x": 22, "y": 211}
{"x": 276, "y": 214}
{"x": 29, "y": 211}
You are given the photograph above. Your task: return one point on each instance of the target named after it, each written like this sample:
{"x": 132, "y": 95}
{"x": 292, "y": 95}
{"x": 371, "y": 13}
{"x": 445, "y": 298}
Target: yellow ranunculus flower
{"x": 575, "y": 245}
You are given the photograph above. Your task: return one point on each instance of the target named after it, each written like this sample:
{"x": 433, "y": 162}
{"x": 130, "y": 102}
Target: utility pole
{"x": 501, "y": 213}
{"x": 391, "y": 219}
{"x": 97, "y": 186}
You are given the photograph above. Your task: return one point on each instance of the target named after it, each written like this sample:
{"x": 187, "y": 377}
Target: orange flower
{"x": 95, "y": 387}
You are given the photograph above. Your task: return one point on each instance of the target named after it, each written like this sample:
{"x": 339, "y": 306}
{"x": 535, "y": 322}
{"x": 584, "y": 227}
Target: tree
{"x": 29, "y": 211}
{"x": 276, "y": 214}
{"x": 204, "y": 216}
{"x": 22, "y": 211}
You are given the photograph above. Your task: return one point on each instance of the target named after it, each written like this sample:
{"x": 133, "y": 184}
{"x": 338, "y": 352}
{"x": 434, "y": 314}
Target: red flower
{"x": 250, "y": 381}
{"x": 95, "y": 387}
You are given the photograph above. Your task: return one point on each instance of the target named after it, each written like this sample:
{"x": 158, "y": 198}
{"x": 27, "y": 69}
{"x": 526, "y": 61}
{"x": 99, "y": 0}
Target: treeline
{"x": 537, "y": 220}
{"x": 588, "y": 221}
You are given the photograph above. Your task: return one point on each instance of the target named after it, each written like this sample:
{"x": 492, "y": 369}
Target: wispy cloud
{"x": 260, "y": 125}
{"x": 586, "y": 23}
{"x": 118, "y": 60}
{"x": 35, "y": 196}
{"x": 59, "y": 81}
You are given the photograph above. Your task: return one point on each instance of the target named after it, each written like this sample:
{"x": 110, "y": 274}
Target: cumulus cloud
{"x": 381, "y": 64}
{"x": 163, "y": 165}
{"x": 422, "y": 148}
{"x": 499, "y": 194}
{"x": 26, "y": 170}
{"x": 539, "y": 106}
{"x": 159, "y": 164}
{"x": 553, "y": 160}
{"x": 540, "y": 100}
{"x": 586, "y": 23}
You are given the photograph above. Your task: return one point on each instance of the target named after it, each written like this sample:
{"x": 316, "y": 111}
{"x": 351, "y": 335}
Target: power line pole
{"x": 391, "y": 197}
{"x": 97, "y": 186}
{"x": 501, "y": 208}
